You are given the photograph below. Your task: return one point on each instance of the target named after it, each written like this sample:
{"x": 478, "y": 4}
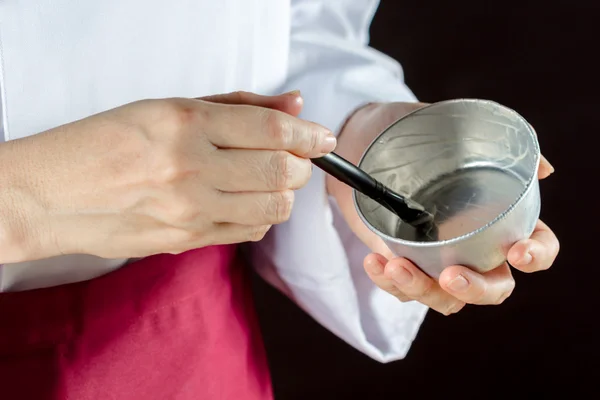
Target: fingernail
{"x": 526, "y": 259}
{"x": 459, "y": 284}
{"x": 328, "y": 144}
{"x": 293, "y": 93}
{"x": 402, "y": 276}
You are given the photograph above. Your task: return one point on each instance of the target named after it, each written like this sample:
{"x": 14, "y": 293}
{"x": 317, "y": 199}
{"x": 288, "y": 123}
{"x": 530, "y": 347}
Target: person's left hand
{"x": 457, "y": 285}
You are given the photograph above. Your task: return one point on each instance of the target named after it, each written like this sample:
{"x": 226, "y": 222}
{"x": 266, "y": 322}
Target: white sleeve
{"x": 314, "y": 257}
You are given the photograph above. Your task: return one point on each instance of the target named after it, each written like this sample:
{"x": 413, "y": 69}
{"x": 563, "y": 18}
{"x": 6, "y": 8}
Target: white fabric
{"x": 61, "y": 60}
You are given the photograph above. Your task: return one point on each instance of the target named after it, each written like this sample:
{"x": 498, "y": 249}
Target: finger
{"x": 536, "y": 253}
{"x": 289, "y": 103}
{"x": 259, "y": 170}
{"x": 493, "y": 287}
{"x": 227, "y": 233}
{"x": 414, "y": 283}
{"x": 374, "y": 265}
{"x": 250, "y": 127}
{"x": 545, "y": 168}
{"x": 254, "y": 208}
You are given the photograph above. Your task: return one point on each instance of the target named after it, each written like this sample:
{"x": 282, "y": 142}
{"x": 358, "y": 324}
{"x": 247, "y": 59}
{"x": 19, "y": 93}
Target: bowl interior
{"x": 467, "y": 161}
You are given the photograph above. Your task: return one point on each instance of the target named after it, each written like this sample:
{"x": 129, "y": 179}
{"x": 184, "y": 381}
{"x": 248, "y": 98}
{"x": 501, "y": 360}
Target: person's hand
{"x": 157, "y": 176}
{"x": 457, "y": 285}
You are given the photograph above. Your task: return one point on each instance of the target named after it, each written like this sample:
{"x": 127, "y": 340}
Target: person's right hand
{"x": 157, "y": 176}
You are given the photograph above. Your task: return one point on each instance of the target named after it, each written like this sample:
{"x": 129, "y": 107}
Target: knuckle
{"x": 176, "y": 113}
{"x": 506, "y": 293}
{"x": 280, "y": 174}
{"x": 278, "y": 128}
{"x": 168, "y": 167}
{"x": 279, "y": 206}
{"x": 241, "y": 97}
{"x": 394, "y": 291}
{"x": 178, "y": 240}
{"x": 257, "y": 233}
{"x": 183, "y": 115}
{"x": 424, "y": 290}
{"x": 314, "y": 138}
{"x": 478, "y": 293}
{"x": 556, "y": 247}
{"x": 479, "y": 297}
{"x": 402, "y": 297}
{"x": 453, "y": 308}
{"x": 184, "y": 213}
{"x": 238, "y": 96}
{"x": 180, "y": 212}
{"x": 554, "y": 250}
{"x": 305, "y": 173}
{"x": 544, "y": 265}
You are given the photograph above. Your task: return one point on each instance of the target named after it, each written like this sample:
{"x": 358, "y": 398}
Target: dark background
{"x": 538, "y": 58}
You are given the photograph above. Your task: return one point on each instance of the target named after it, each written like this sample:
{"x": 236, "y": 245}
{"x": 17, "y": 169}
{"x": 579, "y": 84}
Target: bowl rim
{"x": 461, "y": 238}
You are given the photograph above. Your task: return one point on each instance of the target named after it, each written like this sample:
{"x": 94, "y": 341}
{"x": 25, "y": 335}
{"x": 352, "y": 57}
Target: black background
{"x": 538, "y": 58}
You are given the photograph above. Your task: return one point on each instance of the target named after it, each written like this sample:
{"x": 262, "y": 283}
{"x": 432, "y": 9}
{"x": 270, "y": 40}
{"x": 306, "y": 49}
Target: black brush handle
{"x": 346, "y": 172}
{"x": 356, "y": 178}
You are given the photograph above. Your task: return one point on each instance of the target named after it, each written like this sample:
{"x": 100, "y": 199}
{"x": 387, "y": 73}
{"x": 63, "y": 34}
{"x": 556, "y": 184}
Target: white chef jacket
{"x": 62, "y": 60}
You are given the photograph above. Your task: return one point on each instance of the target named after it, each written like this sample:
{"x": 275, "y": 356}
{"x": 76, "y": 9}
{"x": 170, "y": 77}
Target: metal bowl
{"x": 474, "y": 164}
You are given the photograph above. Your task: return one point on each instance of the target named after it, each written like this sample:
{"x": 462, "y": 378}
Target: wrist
{"x": 22, "y": 216}
{"x": 351, "y": 140}
{"x": 356, "y": 113}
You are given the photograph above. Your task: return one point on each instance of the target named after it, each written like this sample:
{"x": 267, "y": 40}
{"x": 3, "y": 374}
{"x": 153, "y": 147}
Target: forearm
{"x": 39, "y": 178}
{"x": 21, "y": 237}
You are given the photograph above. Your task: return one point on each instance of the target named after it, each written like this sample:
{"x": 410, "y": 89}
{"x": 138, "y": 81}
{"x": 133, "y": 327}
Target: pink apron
{"x": 163, "y": 328}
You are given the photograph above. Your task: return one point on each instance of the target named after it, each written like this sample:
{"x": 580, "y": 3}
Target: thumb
{"x": 289, "y": 103}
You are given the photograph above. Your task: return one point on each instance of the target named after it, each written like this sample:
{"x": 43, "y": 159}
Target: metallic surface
{"x": 473, "y": 164}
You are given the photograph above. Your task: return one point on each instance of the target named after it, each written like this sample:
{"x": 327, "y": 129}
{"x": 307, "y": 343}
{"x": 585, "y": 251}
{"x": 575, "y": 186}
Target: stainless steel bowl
{"x": 474, "y": 164}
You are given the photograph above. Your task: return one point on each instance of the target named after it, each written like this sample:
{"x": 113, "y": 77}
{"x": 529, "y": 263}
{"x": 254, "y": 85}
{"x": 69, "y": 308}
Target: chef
{"x": 143, "y": 141}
